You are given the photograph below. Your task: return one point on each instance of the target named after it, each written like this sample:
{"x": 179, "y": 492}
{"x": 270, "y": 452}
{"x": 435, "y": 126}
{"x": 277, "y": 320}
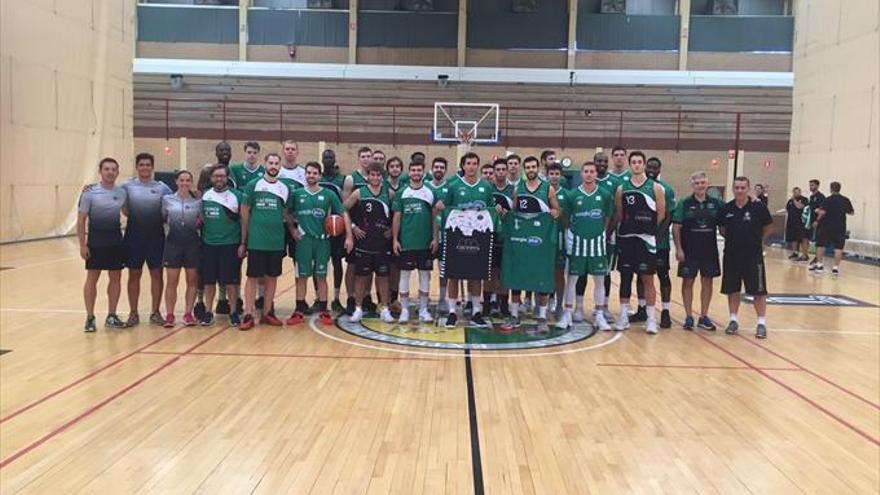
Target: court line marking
{"x": 283, "y": 355}
{"x": 492, "y": 354}
{"x": 42, "y": 310}
{"x": 825, "y": 332}
{"x": 88, "y": 412}
{"x": 473, "y": 423}
{"x": 41, "y": 263}
{"x": 791, "y": 389}
{"x": 688, "y": 367}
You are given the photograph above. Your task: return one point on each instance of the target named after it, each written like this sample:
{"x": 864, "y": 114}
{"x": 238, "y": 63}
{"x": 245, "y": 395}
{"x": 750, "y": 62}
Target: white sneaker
{"x": 404, "y": 316}
{"x": 578, "y": 316}
{"x": 651, "y": 326}
{"x": 565, "y": 320}
{"x": 622, "y": 322}
{"x": 608, "y": 315}
{"x": 357, "y": 315}
{"x": 600, "y": 323}
{"x": 426, "y": 316}
{"x": 385, "y": 315}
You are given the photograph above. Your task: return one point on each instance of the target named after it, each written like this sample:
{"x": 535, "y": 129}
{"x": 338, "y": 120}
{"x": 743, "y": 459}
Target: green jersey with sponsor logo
{"x": 242, "y": 175}
{"x": 588, "y": 213}
{"x": 267, "y": 202}
{"x": 312, "y": 208}
{"x": 465, "y": 196}
{"x": 220, "y": 214}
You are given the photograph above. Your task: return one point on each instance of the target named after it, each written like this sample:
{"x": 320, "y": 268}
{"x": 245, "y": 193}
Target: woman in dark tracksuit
{"x": 182, "y": 214}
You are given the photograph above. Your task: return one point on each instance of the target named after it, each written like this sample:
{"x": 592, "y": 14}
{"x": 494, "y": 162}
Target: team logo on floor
{"x": 812, "y": 300}
{"x": 437, "y": 336}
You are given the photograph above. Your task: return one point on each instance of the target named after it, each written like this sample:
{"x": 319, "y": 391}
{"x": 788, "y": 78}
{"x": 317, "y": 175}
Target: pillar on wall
{"x": 181, "y": 146}
{"x": 684, "y": 13}
{"x": 572, "y": 33}
{"x": 352, "y": 31}
{"x": 461, "y": 44}
{"x": 243, "y": 6}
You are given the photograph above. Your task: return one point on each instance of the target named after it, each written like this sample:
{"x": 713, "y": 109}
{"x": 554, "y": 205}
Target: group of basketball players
{"x": 392, "y": 224}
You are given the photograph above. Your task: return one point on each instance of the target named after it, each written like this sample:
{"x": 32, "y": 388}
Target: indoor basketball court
{"x": 424, "y": 384}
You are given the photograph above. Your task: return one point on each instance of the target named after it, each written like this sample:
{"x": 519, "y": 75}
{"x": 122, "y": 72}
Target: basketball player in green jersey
{"x": 609, "y": 183}
{"x": 532, "y": 196}
{"x": 353, "y": 182}
{"x": 640, "y": 206}
{"x": 554, "y": 176}
{"x": 414, "y": 238}
{"x": 249, "y": 170}
{"x": 513, "y": 169}
{"x": 619, "y": 168}
{"x": 438, "y": 183}
{"x": 333, "y": 181}
{"x": 590, "y": 208}
{"x": 311, "y": 205}
{"x": 470, "y": 192}
{"x": 652, "y": 170}
{"x": 502, "y": 193}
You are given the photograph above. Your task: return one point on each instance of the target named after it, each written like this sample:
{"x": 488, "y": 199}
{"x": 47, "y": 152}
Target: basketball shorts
{"x": 704, "y": 265}
{"x": 418, "y": 259}
{"x": 663, "y": 260}
{"x": 312, "y": 255}
{"x": 143, "y": 247}
{"x": 366, "y": 263}
{"x": 106, "y": 257}
{"x": 835, "y": 238}
{"x": 181, "y": 254}
{"x": 744, "y": 270}
{"x": 634, "y": 256}
{"x": 264, "y": 263}
{"x": 587, "y": 265}
{"x": 220, "y": 265}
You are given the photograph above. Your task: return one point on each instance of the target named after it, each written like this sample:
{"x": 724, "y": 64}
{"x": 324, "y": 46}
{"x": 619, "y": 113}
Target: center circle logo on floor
{"x": 435, "y": 335}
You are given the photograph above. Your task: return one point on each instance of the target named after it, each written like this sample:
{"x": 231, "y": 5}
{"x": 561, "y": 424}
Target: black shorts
{"x": 835, "y": 238}
{"x": 366, "y": 263}
{"x": 744, "y": 270}
{"x": 663, "y": 260}
{"x": 181, "y": 255}
{"x": 795, "y": 232}
{"x": 706, "y": 265}
{"x": 106, "y": 257}
{"x": 264, "y": 263}
{"x": 143, "y": 248}
{"x": 419, "y": 259}
{"x": 634, "y": 257}
{"x": 220, "y": 265}
{"x": 337, "y": 247}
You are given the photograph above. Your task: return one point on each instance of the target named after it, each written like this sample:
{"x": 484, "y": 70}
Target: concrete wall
{"x": 676, "y": 169}
{"x": 836, "y": 116}
{"x": 65, "y": 101}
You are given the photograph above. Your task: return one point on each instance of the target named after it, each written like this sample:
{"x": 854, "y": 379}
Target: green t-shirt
{"x": 267, "y": 202}
{"x": 588, "y": 211}
{"x": 464, "y": 196}
{"x": 220, "y": 214}
{"x": 664, "y": 238}
{"x": 609, "y": 182}
{"x": 414, "y": 206}
{"x": 311, "y": 208}
{"x": 242, "y": 176}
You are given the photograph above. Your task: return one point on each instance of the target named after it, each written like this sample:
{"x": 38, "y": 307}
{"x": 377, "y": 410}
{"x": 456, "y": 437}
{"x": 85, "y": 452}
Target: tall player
{"x": 502, "y": 193}
{"x": 415, "y": 238}
{"x": 311, "y": 206}
{"x": 590, "y": 209}
{"x": 290, "y": 169}
{"x": 251, "y": 169}
{"x": 334, "y": 182}
{"x": 640, "y": 206}
{"x": 652, "y": 170}
{"x": 620, "y": 172}
{"x": 353, "y": 182}
{"x": 370, "y": 210}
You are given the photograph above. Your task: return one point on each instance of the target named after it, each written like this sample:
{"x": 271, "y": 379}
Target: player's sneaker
{"x": 511, "y": 323}
{"x": 477, "y": 320}
{"x": 314, "y": 308}
{"x": 113, "y": 321}
{"x": 258, "y": 304}
{"x": 665, "y": 320}
{"x": 494, "y": 310}
{"x": 336, "y": 306}
{"x": 558, "y": 312}
{"x": 761, "y": 331}
{"x": 168, "y": 322}
{"x": 246, "y": 323}
{"x": 813, "y": 262}
{"x": 325, "y": 318}
{"x": 468, "y": 308}
{"x": 404, "y": 316}
{"x": 688, "y": 323}
{"x": 271, "y": 320}
{"x": 641, "y": 314}
{"x": 156, "y": 318}
{"x": 357, "y": 314}
{"x": 133, "y": 320}
{"x": 651, "y": 326}
{"x": 622, "y": 322}
{"x": 564, "y": 320}
{"x": 706, "y": 324}
{"x": 349, "y": 306}
{"x": 295, "y": 319}
{"x": 818, "y": 270}
{"x": 578, "y": 315}
{"x": 425, "y": 316}
{"x": 368, "y": 305}
{"x": 600, "y": 323}
{"x": 542, "y": 326}
{"x": 222, "y": 307}
{"x": 802, "y": 259}
{"x": 207, "y": 319}
{"x": 732, "y": 328}
{"x": 199, "y": 309}
{"x": 90, "y": 325}
{"x": 235, "y": 319}
{"x": 385, "y": 315}
{"x": 835, "y": 271}
{"x": 451, "y": 320}
{"x": 609, "y": 316}
{"x": 442, "y": 306}
{"x": 793, "y": 256}
{"x": 189, "y": 320}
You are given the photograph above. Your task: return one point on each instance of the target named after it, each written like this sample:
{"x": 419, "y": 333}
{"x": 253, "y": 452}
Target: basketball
{"x": 334, "y": 225}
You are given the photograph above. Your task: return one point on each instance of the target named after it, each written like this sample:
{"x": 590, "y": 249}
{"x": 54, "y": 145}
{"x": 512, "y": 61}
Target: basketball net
{"x": 465, "y": 141}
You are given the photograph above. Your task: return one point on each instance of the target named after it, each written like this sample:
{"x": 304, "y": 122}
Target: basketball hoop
{"x": 466, "y": 137}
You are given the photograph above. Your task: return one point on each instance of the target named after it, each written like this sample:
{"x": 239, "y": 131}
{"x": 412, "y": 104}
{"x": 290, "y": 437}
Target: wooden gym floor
{"x": 214, "y": 410}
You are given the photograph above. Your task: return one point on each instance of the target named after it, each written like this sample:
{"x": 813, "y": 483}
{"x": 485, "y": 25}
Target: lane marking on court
{"x": 283, "y": 355}
{"x": 473, "y": 423}
{"x": 687, "y": 367}
{"x": 825, "y": 332}
{"x": 492, "y": 354}
{"x": 42, "y": 310}
{"x": 42, "y": 263}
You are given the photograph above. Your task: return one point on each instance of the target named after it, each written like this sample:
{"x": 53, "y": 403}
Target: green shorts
{"x": 587, "y": 265}
{"x": 312, "y": 255}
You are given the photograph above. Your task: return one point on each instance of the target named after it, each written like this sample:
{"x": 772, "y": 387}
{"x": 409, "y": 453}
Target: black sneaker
{"x": 451, "y": 320}
{"x": 113, "y": 321}
{"x": 706, "y": 324}
{"x": 793, "y": 256}
{"x": 665, "y": 320}
{"x": 761, "y": 331}
{"x": 640, "y": 315}
{"x": 234, "y": 319}
{"x": 259, "y": 302}
{"x": 199, "y": 310}
{"x": 207, "y": 319}
{"x": 222, "y": 307}
{"x": 732, "y": 328}
{"x": 336, "y": 306}
{"x": 90, "y": 327}
{"x": 477, "y": 320}
{"x": 368, "y": 305}
{"x": 494, "y": 310}
{"x": 349, "y": 306}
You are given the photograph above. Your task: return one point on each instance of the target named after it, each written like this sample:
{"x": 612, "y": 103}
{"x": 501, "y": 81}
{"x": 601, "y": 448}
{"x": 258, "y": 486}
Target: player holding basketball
{"x": 370, "y": 210}
{"x": 415, "y": 238}
{"x": 640, "y": 206}
{"x": 652, "y": 170}
{"x": 590, "y": 209}
{"x": 311, "y": 205}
